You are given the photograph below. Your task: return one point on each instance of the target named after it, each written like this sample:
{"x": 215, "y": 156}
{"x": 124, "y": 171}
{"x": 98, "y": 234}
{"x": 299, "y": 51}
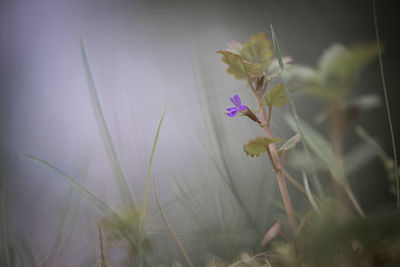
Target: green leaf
{"x": 289, "y": 144}
{"x": 340, "y": 66}
{"x": 259, "y": 145}
{"x": 276, "y": 96}
{"x": 274, "y": 69}
{"x": 238, "y": 67}
{"x": 258, "y": 50}
{"x": 235, "y": 47}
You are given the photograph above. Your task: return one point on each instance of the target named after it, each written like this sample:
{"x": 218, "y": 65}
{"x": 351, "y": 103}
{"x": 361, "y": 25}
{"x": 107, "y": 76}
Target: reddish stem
{"x": 283, "y": 159}
{"x": 285, "y": 237}
{"x": 272, "y": 152}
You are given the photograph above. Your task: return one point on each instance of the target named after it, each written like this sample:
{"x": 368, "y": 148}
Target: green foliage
{"x": 340, "y": 66}
{"x": 239, "y": 68}
{"x": 290, "y": 143}
{"x": 259, "y": 145}
{"x": 276, "y": 96}
{"x": 337, "y": 71}
{"x": 257, "y": 50}
{"x": 376, "y": 149}
{"x": 274, "y": 69}
{"x": 101, "y": 205}
{"x": 253, "y": 59}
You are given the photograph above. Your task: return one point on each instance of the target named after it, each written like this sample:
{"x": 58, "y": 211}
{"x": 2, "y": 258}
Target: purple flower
{"x": 238, "y": 106}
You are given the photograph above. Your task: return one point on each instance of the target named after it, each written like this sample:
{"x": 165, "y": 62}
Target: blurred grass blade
{"x": 371, "y": 142}
{"x": 83, "y": 191}
{"x": 146, "y": 190}
{"x": 69, "y": 216}
{"x": 294, "y": 113}
{"x": 103, "y": 260}
{"x": 23, "y": 254}
{"x": 387, "y": 106}
{"x": 309, "y": 194}
{"x": 126, "y": 195}
{"x": 5, "y": 257}
{"x": 170, "y": 229}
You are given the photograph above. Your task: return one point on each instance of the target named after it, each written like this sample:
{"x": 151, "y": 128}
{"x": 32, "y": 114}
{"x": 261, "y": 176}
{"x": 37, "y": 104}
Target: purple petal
{"x": 242, "y": 107}
{"x": 230, "y": 109}
{"x": 233, "y": 100}
{"x": 232, "y": 113}
{"x": 238, "y": 101}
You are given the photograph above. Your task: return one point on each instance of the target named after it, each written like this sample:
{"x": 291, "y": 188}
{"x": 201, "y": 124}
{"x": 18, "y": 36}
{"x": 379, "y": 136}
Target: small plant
{"x": 328, "y": 234}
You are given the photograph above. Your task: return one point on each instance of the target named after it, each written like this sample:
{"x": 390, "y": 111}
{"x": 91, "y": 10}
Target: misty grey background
{"x": 144, "y": 53}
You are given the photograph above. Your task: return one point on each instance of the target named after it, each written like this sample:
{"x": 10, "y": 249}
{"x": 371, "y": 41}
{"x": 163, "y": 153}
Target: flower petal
{"x": 242, "y": 107}
{"x": 233, "y": 100}
{"x": 238, "y": 101}
{"x": 230, "y": 109}
{"x": 232, "y": 113}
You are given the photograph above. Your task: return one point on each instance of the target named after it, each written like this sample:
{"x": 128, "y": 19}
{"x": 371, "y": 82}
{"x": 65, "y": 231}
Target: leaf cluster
{"x": 337, "y": 71}
{"x": 253, "y": 59}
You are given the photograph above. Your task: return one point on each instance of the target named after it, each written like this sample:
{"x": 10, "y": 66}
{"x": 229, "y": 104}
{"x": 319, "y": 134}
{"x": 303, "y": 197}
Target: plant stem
{"x": 273, "y": 155}
{"x": 396, "y": 170}
{"x": 169, "y": 227}
{"x": 337, "y": 129}
{"x": 294, "y": 113}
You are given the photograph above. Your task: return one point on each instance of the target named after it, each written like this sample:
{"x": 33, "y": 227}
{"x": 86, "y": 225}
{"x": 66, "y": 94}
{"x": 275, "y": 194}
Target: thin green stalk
{"x": 309, "y": 194}
{"x": 103, "y": 260}
{"x": 146, "y": 190}
{"x": 170, "y": 229}
{"x": 396, "y": 170}
{"x": 101, "y": 205}
{"x": 294, "y": 113}
{"x": 126, "y": 195}
{"x": 4, "y": 231}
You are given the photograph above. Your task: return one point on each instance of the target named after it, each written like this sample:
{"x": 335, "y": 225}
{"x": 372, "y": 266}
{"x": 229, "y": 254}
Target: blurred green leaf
{"x": 337, "y": 70}
{"x": 276, "y": 96}
{"x": 359, "y": 156}
{"x": 259, "y": 145}
{"x": 274, "y": 69}
{"x": 258, "y": 50}
{"x": 238, "y": 67}
{"x": 289, "y": 144}
{"x": 340, "y": 66}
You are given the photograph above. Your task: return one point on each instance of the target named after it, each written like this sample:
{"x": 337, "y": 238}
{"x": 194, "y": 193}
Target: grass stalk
{"x": 169, "y": 227}
{"x": 146, "y": 190}
{"x": 293, "y": 111}
{"x": 123, "y": 187}
{"x": 103, "y": 260}
{"x": 143, "y": 214}
{"x": 396, "y": 170}
{"x": 101, "y": 205}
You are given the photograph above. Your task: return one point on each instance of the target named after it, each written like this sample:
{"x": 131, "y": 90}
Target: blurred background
{"x": 144, "y": 54}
